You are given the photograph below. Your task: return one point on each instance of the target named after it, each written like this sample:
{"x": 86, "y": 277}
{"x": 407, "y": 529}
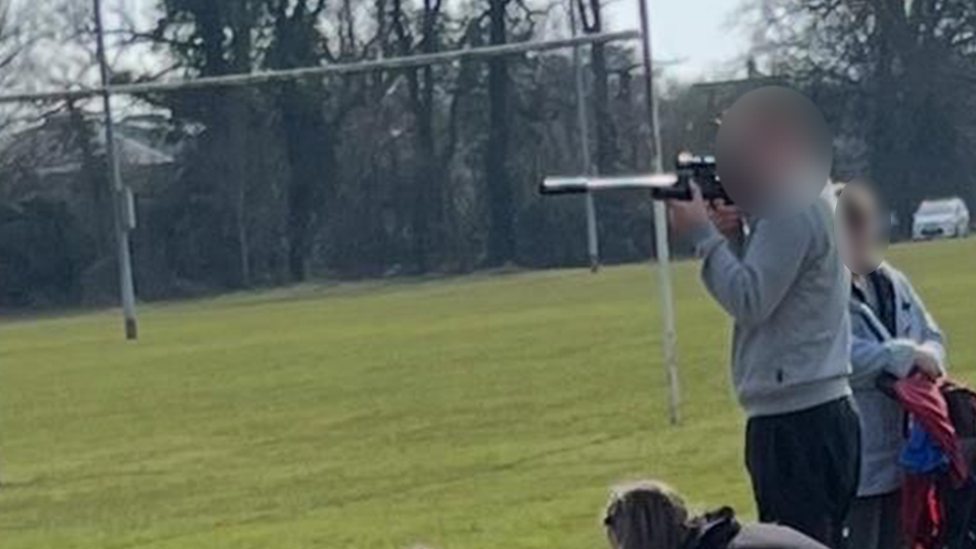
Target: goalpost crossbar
{"x": 374, "y": 65}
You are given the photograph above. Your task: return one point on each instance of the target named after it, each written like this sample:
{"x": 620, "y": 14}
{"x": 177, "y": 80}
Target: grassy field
{"x": 480, "y": 413}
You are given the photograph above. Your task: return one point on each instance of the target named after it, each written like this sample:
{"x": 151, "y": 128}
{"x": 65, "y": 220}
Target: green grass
{"x": 481, "y": 413}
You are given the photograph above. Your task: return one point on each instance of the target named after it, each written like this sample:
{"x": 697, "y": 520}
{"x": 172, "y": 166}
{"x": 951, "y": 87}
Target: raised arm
{"x": 750, "y": 287}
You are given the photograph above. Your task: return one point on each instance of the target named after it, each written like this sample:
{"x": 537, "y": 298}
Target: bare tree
{"x": 899, "y": 75}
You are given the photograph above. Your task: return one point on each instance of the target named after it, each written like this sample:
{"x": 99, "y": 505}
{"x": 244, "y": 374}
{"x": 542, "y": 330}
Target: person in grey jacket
{"x": 893, "y": 334}
{"x": 787, "y": 291}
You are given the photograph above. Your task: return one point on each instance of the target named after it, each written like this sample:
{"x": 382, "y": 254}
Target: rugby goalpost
{"x": 124, "y": 213}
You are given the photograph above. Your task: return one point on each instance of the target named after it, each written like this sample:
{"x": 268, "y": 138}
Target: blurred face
{"x": 774, "y": 152}
{"x": 774, "y": 148}
{"x": 861, "y": 218}
{"x": 861, "y": 221}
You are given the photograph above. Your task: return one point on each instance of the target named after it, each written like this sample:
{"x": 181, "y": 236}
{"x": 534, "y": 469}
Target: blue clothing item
{"x": 922, "y": 454}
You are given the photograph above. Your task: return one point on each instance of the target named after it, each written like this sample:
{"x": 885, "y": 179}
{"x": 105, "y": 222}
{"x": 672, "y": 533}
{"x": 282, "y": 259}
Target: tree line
{"x": 422, "y": 170}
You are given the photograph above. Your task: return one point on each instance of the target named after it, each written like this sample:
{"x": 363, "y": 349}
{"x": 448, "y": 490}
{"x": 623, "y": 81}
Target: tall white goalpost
{"x": 670, "y": 335}
{"x": 592, "y": 238}
{"x": 588, "y": 183}
{"x": 124, "y": 215}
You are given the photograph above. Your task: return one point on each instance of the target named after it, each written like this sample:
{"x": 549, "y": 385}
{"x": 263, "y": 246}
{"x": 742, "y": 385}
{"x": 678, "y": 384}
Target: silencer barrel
{"x": 577, "y": 185}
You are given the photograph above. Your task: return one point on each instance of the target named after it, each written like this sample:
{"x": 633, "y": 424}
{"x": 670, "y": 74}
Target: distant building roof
{"x": 55, "y": 146}
{"x": 707, "y": 101}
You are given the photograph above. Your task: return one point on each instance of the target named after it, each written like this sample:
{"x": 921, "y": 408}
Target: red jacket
{"x": 922, "y": 397}
{"x": 923, "y": 515}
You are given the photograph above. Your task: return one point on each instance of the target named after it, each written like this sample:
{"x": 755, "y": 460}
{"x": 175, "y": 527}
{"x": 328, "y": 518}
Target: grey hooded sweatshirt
{"x": 788, "y": 293}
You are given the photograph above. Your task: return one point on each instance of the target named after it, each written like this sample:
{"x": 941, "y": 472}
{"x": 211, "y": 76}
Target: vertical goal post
{"x": 122, "y": 194}
{"x": 662, "y": 249}
{"x": 123, "y": 202}
{"x": 589, "y": 183}
{"x": 583, "y": 124}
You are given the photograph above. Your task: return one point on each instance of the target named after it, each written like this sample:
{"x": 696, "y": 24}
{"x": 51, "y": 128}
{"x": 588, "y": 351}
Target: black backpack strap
{"x": 885, "y": 292}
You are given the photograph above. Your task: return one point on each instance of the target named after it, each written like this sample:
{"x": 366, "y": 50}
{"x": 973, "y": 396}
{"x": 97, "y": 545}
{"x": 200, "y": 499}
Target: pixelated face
{"x": 773, "y": 152}
{"x": 860, "y": 218}
{"x": 775, "y": 146}
{"x": 862, "y": 225}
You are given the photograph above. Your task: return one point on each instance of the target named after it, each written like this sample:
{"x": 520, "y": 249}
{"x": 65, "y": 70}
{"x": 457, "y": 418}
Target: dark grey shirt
{"x": 772, "y": 536}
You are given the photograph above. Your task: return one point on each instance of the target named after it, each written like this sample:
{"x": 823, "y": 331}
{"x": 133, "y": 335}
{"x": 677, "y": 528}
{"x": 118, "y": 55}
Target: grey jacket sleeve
{"x": 930, "y": 335}
{"x": 751, "y": 286}
{"x": 870, "y": 357}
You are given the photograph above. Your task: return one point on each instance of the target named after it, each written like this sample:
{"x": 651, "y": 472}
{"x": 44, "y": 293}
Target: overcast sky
{"x": 695, "y": 34}
{"x": 694, "y": 40}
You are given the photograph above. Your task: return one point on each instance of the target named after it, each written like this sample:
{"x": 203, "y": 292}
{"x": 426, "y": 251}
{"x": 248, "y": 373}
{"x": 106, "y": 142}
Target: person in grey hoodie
{"x": 787, "y": 290}
{"x": 893, "y": 335}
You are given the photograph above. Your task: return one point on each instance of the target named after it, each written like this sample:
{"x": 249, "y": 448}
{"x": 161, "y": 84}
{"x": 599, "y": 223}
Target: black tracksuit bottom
{"x": 805, "y": 466}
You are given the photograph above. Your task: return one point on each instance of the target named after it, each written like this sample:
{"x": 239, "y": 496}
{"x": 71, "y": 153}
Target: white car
{"x": 944, "y": 217}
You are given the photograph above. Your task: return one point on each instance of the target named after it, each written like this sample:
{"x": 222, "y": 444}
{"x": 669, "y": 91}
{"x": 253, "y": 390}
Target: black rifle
{"x": 668, "y": 186}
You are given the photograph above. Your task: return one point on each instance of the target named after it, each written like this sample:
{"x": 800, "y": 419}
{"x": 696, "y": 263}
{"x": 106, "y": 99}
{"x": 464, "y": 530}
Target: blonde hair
{"x": 646, "y": 515}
